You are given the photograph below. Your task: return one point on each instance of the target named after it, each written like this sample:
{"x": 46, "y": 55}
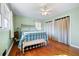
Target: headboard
{"x": 27, "y": 27}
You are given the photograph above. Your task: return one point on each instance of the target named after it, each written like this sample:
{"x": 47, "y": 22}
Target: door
{"x": 49, "y": 29}
{"x": 61, "y": 30}
{"x": 56, "y": 30}
{"x": 65, "y": 30}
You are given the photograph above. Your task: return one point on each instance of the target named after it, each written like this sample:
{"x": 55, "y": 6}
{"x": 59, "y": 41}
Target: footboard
{"x": 33, "y": 44}
{"x": 32, "y": 40}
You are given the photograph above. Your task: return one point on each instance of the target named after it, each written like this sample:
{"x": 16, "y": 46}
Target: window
{"x": 5, "y": 25}
{"x": 4, "y": 21}
{"x": 38, "y": 25}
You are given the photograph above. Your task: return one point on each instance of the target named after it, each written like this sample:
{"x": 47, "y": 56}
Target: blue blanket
{"x": 31, "y": 36}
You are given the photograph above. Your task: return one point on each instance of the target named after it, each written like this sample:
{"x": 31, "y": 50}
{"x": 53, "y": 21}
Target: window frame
{"x": 38, "y": 25}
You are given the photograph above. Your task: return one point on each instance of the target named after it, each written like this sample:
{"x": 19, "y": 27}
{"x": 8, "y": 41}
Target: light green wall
{"x": 5, "y": 42}
{"x": 18, "y": 20}
{"x": 74, "y": 24}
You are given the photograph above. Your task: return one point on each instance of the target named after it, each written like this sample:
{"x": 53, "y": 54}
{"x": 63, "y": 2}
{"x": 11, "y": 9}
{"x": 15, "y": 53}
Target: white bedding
{"x": 25, "y": 43}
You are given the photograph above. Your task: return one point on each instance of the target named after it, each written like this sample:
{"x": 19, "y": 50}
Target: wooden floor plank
{"x": 53, "y": 48}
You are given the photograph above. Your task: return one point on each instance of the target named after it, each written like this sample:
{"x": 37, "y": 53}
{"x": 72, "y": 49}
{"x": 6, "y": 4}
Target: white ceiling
{"x": 33, "y": 9}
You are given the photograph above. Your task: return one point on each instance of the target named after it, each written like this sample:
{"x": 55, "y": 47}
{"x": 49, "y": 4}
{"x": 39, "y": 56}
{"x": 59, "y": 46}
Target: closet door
{"x": 49, "y": 29}
{"x": 65, "y": 32}
{"x": 56, "y": 30}
{"x": 52, "y": 33}
{"x": 60, "y": 30}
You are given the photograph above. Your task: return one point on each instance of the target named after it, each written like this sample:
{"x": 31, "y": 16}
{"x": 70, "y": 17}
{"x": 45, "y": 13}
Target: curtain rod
{"x": 61, "y": 18}
{"x": 48, "y": 21}
{"x": 57, "y": 19}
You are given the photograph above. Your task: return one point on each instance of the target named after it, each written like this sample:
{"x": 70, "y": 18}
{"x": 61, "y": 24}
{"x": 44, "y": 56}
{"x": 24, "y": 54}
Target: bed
{"x": 32, "y": 39}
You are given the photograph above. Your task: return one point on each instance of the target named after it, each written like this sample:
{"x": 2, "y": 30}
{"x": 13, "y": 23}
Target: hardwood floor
{"x": 53, "y": 48}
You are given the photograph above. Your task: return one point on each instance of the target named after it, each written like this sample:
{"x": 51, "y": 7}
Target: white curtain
{"x": 61, "y": 30}
{"x": 48, "y": 27}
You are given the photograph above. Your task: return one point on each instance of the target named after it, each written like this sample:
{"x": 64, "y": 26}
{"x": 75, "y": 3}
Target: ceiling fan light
{"x": 42, "y": 9}
{"x": 45, "y": 10}
{"x": 44, "y": 13}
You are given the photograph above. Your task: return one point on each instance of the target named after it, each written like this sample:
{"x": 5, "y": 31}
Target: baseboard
{"x": 9, "y": 49}
{"x": 74, "y": 46}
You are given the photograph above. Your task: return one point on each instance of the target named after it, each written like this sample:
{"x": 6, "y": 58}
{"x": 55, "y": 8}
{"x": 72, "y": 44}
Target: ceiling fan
{"x": 45, "y": 9}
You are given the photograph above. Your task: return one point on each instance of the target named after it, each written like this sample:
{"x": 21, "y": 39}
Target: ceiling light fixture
{"x": 44, "y": 9}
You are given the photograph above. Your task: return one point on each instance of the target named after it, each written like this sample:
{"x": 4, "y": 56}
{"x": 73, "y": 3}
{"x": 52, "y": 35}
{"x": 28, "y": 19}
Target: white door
{"x": 56, "y": 30}
{"x": 61, "y": 30}
{"x": 48, "y": 29}
{"x": 65, "y": 31}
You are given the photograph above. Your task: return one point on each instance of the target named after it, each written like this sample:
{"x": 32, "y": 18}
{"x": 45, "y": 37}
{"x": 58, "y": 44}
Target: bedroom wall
{"x": 18, "y": 20}
{"x": 74, "y": 24}
{"x": 5, "y": 42}
{"x": 2, "y": 41}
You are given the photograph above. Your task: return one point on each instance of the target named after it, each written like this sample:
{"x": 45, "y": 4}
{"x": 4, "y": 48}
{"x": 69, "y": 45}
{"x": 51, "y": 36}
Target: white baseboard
{"x": 74, "y": 46}
{"x": 9, "y": 49}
